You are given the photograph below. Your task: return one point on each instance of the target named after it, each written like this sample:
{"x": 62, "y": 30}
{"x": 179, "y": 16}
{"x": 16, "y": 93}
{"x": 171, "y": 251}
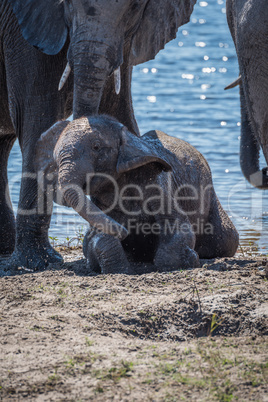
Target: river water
{"x": 181, "y": 92}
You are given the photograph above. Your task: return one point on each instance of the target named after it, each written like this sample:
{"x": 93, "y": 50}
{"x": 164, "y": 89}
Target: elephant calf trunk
{"x": 91, "y": 213}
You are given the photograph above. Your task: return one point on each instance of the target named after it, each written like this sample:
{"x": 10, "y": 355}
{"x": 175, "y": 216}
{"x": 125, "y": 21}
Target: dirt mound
{"x": 66, "y": 335}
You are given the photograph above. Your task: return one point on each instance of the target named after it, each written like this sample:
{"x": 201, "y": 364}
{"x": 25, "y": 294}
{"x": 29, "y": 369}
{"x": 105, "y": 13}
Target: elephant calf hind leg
{"x": 7, "y": 219}
{"x": 221, "y": 239}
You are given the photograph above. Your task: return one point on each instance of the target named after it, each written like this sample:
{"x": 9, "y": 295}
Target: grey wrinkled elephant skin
{"x": 248, "y": 24}
{"x": 152, "y": 197}
{"x": 95, "y": 43}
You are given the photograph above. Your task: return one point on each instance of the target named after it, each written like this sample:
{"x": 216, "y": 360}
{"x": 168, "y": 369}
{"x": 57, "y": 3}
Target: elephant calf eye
{"x": 96, "y": 146}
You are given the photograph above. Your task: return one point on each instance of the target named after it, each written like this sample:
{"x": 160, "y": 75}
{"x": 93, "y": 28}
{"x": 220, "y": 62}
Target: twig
{"x": 198, "y": 296}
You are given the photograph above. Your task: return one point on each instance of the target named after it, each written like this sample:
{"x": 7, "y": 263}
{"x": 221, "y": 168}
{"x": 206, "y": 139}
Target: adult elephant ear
{"x": 160, "y": 22}
{"x": 42, "y": 23}
{"x": 134, "y": 152}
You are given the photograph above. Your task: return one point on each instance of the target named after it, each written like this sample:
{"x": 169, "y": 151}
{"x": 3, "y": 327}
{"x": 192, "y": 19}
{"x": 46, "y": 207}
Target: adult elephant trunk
{"x": 93, "y": 62}
{"x": 71, "y": 186}
{"x": 250, "y": 150}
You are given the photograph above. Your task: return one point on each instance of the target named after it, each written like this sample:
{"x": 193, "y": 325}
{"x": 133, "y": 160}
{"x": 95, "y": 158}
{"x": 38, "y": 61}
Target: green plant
{"x": 99, "y": 389}
{"x": 53, "y": 239}
{"x": 53, "y": 379}
{"x": 88, "y": 341}
{"x": 224, "y": 393}
{"x": 116, "y": 373}
{"x": 70, "y": 362}
{"x": 214, "y": 324}
{"x": 80, "y": 235}
{"x": 188, "y": 351}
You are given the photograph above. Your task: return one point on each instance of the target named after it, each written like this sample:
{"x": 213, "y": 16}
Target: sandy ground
{"x": 195, "y": 335}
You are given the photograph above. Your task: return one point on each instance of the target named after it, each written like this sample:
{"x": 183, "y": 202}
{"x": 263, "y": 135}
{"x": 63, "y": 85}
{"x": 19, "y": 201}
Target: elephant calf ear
{"x": 44, "y": 160}
{"x": 134, "y": 153}
{"x": 42, "y": 23}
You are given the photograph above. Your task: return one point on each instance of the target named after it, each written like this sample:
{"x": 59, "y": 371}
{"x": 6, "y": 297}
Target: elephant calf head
{"x": 81, "y": 156}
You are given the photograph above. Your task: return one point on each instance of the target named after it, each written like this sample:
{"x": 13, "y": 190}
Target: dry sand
{"x": 198, "y": 334}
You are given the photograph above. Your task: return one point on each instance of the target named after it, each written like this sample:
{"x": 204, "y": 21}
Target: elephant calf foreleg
{"x": 105, "y": 254}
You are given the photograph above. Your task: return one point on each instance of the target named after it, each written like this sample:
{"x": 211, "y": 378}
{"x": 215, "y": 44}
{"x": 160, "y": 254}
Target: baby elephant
{"x": 152, "y": 198}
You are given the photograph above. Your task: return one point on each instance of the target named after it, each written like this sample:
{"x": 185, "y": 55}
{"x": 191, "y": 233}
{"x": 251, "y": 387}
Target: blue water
{"x": 181, "y": 93}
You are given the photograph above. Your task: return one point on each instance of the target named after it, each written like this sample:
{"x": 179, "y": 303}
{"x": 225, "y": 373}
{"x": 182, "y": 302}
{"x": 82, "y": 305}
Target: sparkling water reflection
{"x": 181, "y": 93}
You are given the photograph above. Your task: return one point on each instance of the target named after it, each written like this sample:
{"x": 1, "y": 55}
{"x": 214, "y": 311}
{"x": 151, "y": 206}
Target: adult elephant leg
{"x": 7, "y": 219}
{"x": 251, "y": 47}
{"x": 7, "y": 139}
{"x": 35, "y": 104}
{"x": 33, "y": 249}
{"x": 250, "y": 150}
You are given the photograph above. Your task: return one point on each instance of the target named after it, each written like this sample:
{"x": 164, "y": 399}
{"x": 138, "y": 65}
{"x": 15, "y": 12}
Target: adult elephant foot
{"x": 7, "y": 232}
{"x": 35, "y": 257}
{"x": 33, "y": 249}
